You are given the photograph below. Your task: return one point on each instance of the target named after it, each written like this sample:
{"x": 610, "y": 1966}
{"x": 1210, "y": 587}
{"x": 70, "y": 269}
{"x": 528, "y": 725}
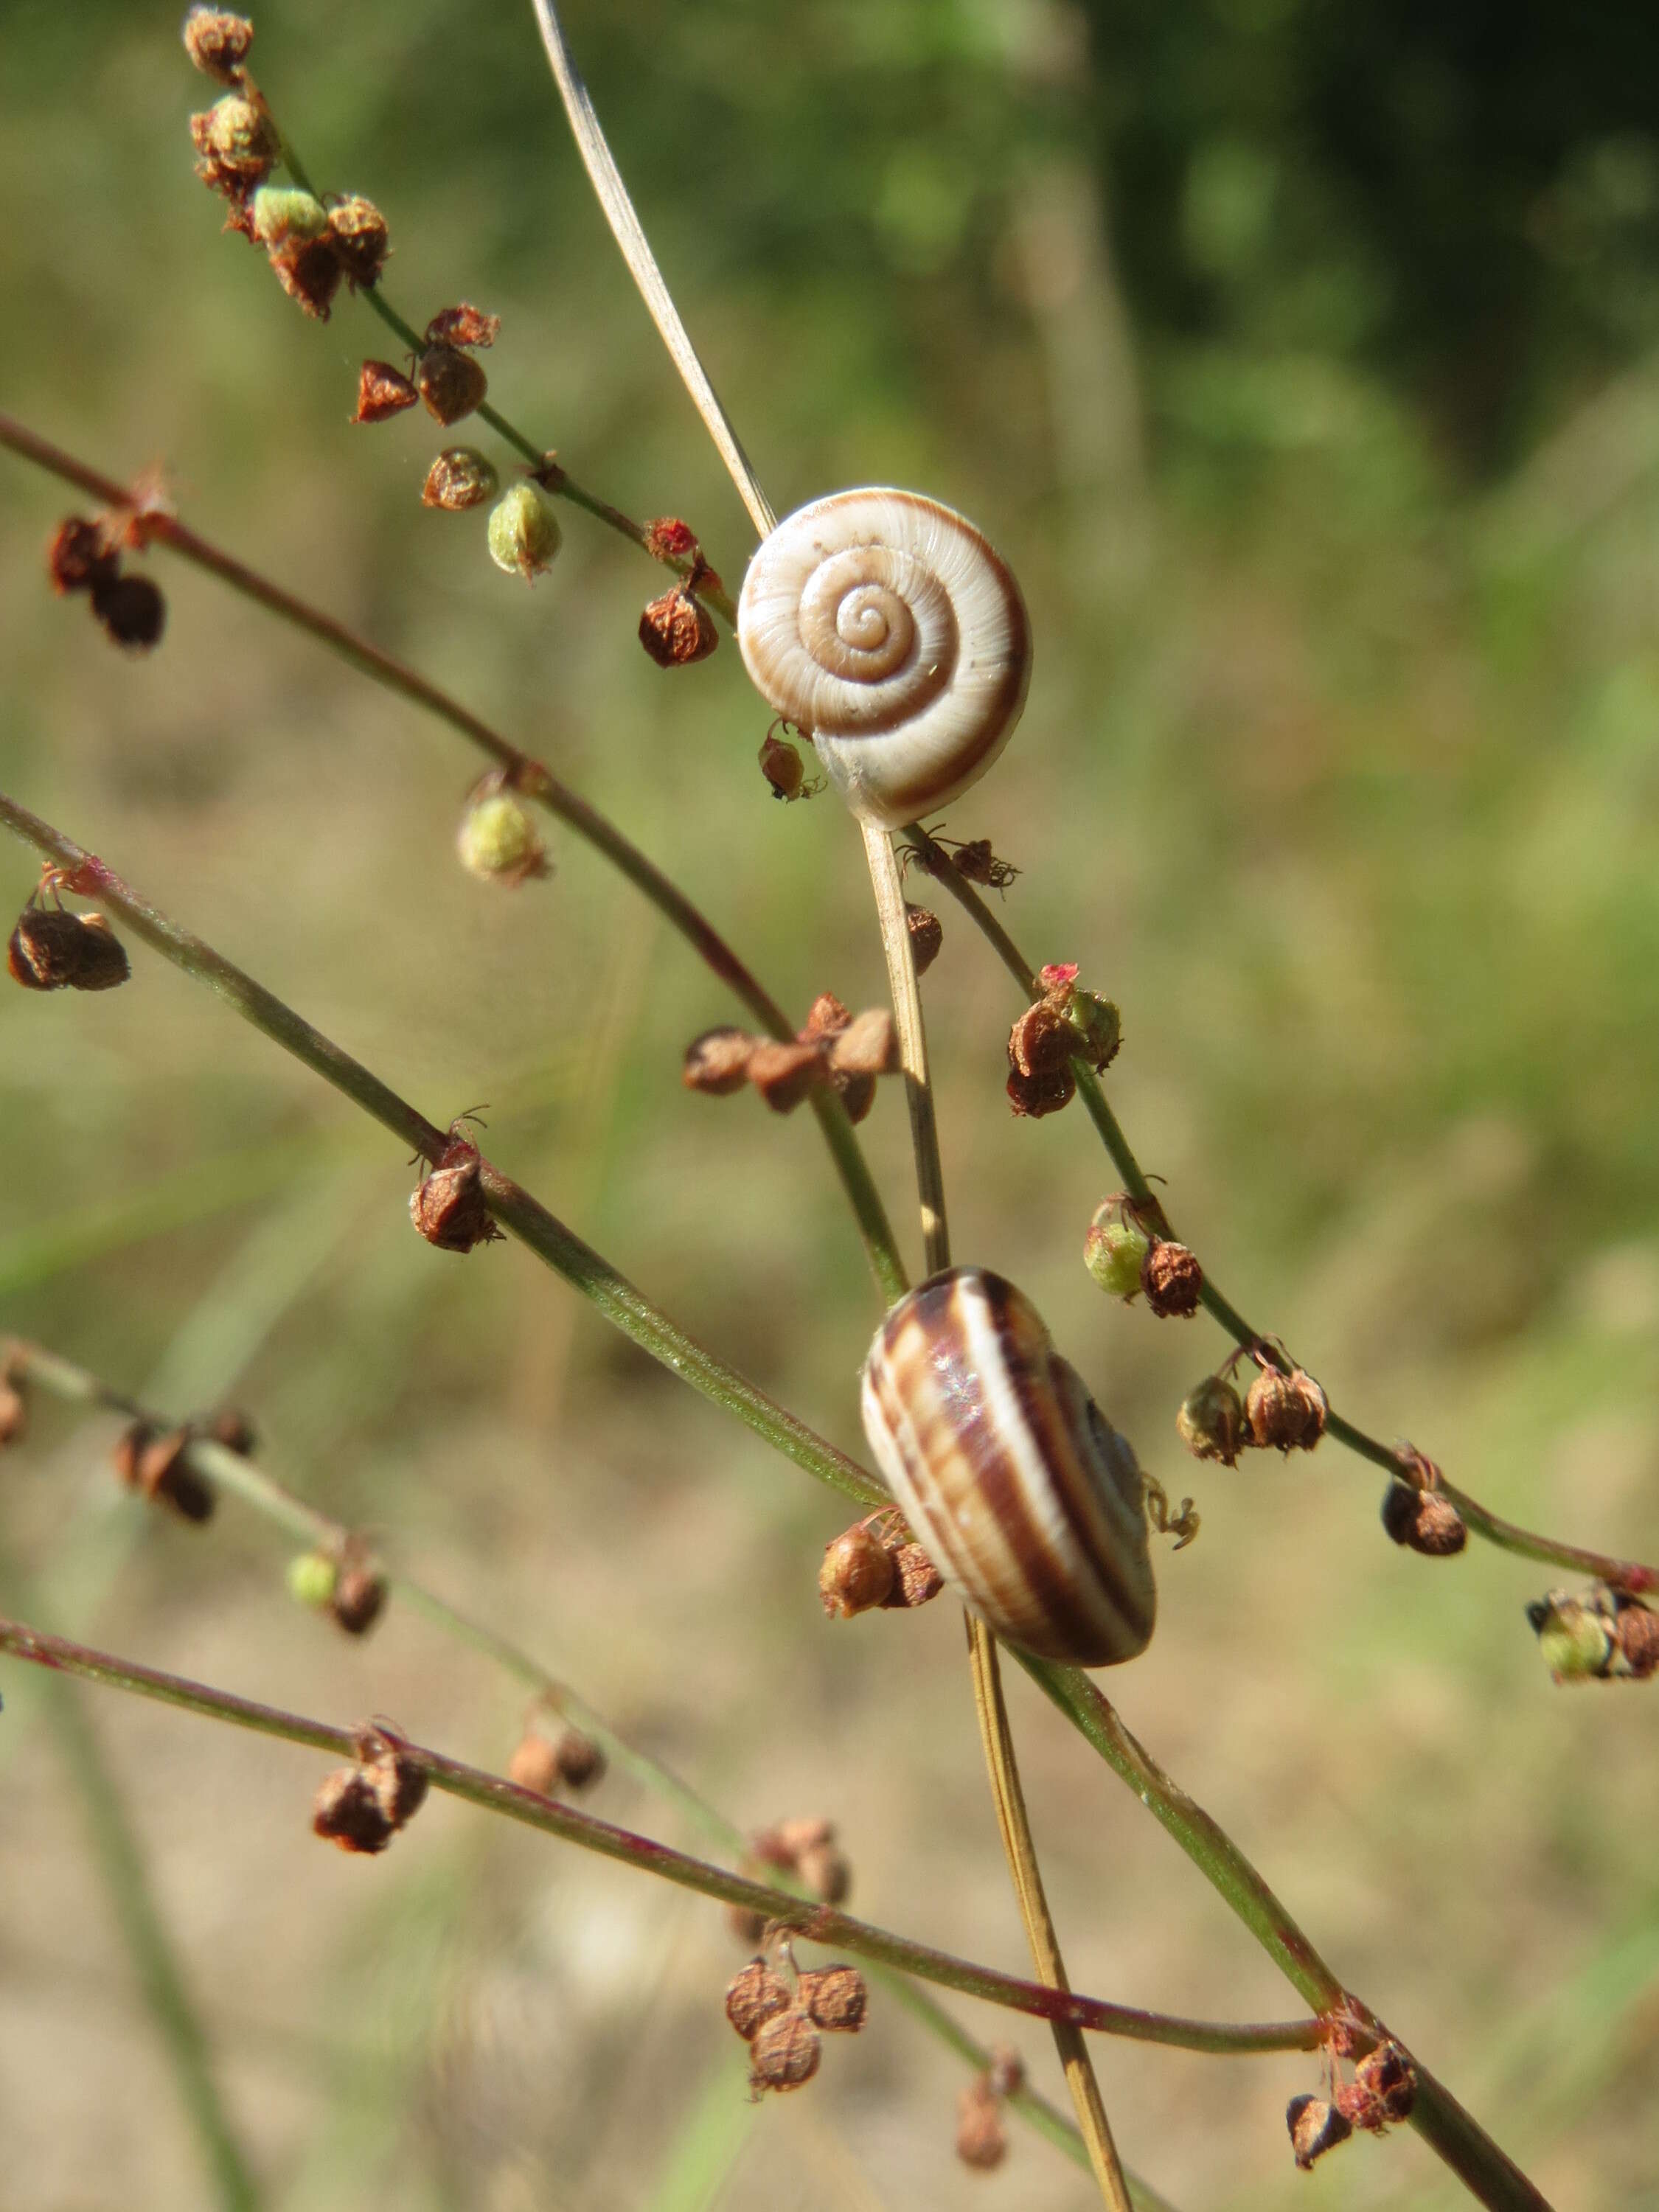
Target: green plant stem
{"x": 554, "y": 478}
{"x": 120, "y": 1861}
{"x": 818, "y": 1924}
{"x": 533, "y": 779}
{"x": 1069, "y": 1688}
{"x": 1633, "y": 1576}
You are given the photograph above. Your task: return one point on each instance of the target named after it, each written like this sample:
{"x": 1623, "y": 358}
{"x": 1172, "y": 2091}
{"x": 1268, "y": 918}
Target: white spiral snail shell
{"x": 889, "y": 631}
{"x": 1024, "y": 1498}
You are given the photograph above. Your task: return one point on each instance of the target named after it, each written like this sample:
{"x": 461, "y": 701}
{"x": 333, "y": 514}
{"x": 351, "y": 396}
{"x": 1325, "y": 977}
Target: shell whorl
{"x": 1022, "y": 1494}
{"x": 886, "y": 627}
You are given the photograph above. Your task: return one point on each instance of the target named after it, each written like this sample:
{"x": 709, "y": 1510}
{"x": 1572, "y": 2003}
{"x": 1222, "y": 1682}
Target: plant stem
{"x": 818, "y": 1924}
{"x": 616, "y": 1298}
{"x": 533, "y": 779}
{"x": 1633, "y": 1576}
{"x": 121, "y": 1861}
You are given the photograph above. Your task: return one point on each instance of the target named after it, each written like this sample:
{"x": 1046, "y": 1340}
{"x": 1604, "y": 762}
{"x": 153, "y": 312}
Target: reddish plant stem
{"x": 820, "y": 1923}
{"x": 1633, "y": 1576}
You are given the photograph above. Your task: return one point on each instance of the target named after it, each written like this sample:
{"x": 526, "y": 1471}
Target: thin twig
{"x": 818, "y": 1924}
{"x": 533, "y": 779}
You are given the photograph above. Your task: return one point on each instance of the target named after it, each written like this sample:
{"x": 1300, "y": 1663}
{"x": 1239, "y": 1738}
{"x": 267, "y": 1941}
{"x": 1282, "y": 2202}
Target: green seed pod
{"x": 310, "y": 1579}
{"x": 1113, "y": 1251}
{"x": 1210, "y": 1421}
{"x": 524, "y": 531}
{"x": 239, "y": 136}
{"x": 1576, "y": 1635}
{"x": 497, "y": 841}
{"x": 279, "y": 211}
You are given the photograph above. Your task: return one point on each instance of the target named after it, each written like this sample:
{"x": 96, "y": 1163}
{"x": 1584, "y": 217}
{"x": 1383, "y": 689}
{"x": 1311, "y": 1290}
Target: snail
{"x": 886, "y": 627}
{"x": 1023, "y": 1496}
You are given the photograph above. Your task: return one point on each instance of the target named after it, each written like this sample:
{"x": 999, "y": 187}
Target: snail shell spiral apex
{"x": 1013, "y": 1482}
{"x": 889, "y": 630}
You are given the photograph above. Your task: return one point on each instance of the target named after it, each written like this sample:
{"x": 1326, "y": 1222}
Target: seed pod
{"x": 1032, "y": 1096}
{"x": 155, "y": 1467}
{"x": 1210, "y": 1421}
{"x": 580, "y": 1762}
{"x": 310, "y": 1579}
{"x": 400, "y": 1782}
{"x": 450, "y": 384}
{"x": 238, "y": 143}
{"x": 1637, "y": 1633}
{"x": 1042, "y": 1041}
{"x": 1315, "y": 2127}
{"x": 717, "y": 1062}
{"x": 834, "y": 1998}
{"x": 981, "y": 2134}
{"x": 857, "y": 1573}
{"x": 1098, "y": 1024}
{"x": 131, "y": 610}
{"x": 827, "y": 1872}
{"x": 1172, "y": 1279}
{"x": 1114, "y": 1249}
{"x": 460, "y": 477}
{"x": 524, "y": 532}
{"x": 1027, "y": 1500}
{"x": 784, "y": 770}
{"x": 926, "y": 936}
{"x": 463, "y": 325}
{"x": 534, "y": 1765}
{"x": 357, "y": 232}
{"x": 1286, "y": 1413}
{"x": 309, "y": 271}
{"x": 676, "y": 629}
{"x": 382, "y": 391}
{"x": 1384, "y": 2089}
{"x": 753, "y": 1995}
{"x": 217, "y": 42}
{"x": 1577, "y": 1636}
{"x": 867, "y": 1045}
{"x": 278, "y": 212}
{"x": 1424, "y": 1520}
{"x": 918, "y": 1579}
{"x": 348, "y": 1811}
{"x": 448, "y": 1207}
{"x": 784, "y": 2052}
{"x": 357, "y": 1598}
{"x": 497, "y": 841}
{"x": 784, "y": 1073}
{"x": 78, "y": 557}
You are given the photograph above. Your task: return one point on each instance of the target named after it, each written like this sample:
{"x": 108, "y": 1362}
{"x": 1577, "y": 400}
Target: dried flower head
{"x": 357, "y": 232}
{"x": 753, "y": 1995}
{"x": 52, "y": 950}
{"x": 976, "y": 863}
{"x": 1636, "y": 1631}
{"x": 382, "y": 391}
{"x": 238, "y": 144}
{"x": 448, "y": 1206}
{"x": 1210, "y": 1421}
{"x": 524, "y": 532}
{"x": 1424, "y": 1520}
{"x": 460, "y": 477}
{"x": 463, "y": 325}
{"x": 131, "y": 610}
{"x": 866, "y": 1044}
{"x": 834, "y": 1998}
{"x": 1042, "y": 1041}
{"x": 676, "y": 629}
{"x": 218, "y": 41}
{"x": 497, "y": 841}
{"x": 1114, "y": 1247}
{"x": 717, "y": 1062}
{"x": 784, "y": 1073}
{"x": 79, "y": 557}
{"x": 858, "y": 1573}
{"x": 1286, "y": 1412}
{"x": 450, "y": 384}
{"x": 784, "y": 2053}
{"x": 668, "y": 538}
{"x": 918, "y": 1580}
{"x": 348, "y": 1811}
{"x": 1032, "y": 1096}
{"x": 1314, "y": 2128}
{"x": 927, "y": 935}
{"x": 309, "y": 272}
{"x": 1172, "y": 1279}
{"x": 358, "y": 1598}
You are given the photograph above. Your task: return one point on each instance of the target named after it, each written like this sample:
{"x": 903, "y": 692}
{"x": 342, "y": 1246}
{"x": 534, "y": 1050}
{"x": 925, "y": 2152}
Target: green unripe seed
{"x": 498, "y": 841}
{"x": 1113, "y": 1251}
{"x": 524, "y": 531}
{"x": 279, "y": 212}
{"x": 310, "y": 1579}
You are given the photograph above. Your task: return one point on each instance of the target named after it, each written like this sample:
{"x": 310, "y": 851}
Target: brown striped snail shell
{"x": 1023, "y": 1496}
{"x": 888, "y": 630}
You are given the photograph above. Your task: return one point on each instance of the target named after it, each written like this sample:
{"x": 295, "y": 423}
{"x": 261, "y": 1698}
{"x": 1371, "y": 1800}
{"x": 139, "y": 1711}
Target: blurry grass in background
{"x": 1301, "y": 361}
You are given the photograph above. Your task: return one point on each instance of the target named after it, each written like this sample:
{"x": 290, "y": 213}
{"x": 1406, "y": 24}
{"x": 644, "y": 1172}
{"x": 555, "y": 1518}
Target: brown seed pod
{"x": 44, "y": 952}
{"x": 450, "y": 382}
{"x": 1211, "y": 1420}
{"x": 784, "y": 1073}
{"x": 784, "y": 2052}
{"x": 162, "y": 1473}
{"x": 827, "y": 1872}
{"x": 834, "y": 1998}
{"x": 348, "y": 1811}
{"x": 858, "y": 1573}
{"x": 382, "y": 391}
{"x": 927, "y": 935}
{"x": 14, "y": 1412}
{"x": 668, "y": 538}
{"x": 753, "y": 1995}
{"x": 448, "y": 1205}
{"x": 238, "y": 144}
{"x": 717, "y": 1062}
{"x": 676, "y": 629}
{"x": 535, "y": 1764}
{"x": 981, "y": 2134}
{"x": 918, "y": 1580}
{"x": 217, "y": 42}
{"x": 1042, "y": 1041}
{"x": 357, "y": 233}
{"x": 400, "y": 1782}
{"x": 580, "y": 1761}
{"x": 784, "y": 770}
{"x": 1032, "y": 1096}
{"x": 1382, "y": 2091}
{"x": 1423, "y": 1520}
{"x": 1636, "y": 1632}
{"x": 1286, "y": 1413}
{"x": 1314, "y": 2128}
{"x": 77, "y": 556}
{"x": 131, "y": 610}
{"x": 463, "y": 325}
{"x": 1172, "y": 1279}
{"x": 1006, "y": 2074}
{"x": 358, "y": 1599}
{"x": 308, "y": 270}
{"x": 867, "y": 1044}
{"x": 460, "y": 477}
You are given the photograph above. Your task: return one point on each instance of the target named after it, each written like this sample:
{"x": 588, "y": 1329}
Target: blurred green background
{"x": 1303, "y": 360}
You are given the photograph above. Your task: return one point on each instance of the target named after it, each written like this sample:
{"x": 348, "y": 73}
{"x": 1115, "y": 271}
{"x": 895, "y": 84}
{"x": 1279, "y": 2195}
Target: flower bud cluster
{"x": 1283, "y": 1410}
{"x": 847, "y": 1051}
{"x": 876, "y": 1562}
{"x": 784, "y": 2020}
{"x": 361, "y": 1808}
{"x": 1124, "y": 1249}
{"x": 84, "y": 556}
{"x": 806, "y": 1853}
